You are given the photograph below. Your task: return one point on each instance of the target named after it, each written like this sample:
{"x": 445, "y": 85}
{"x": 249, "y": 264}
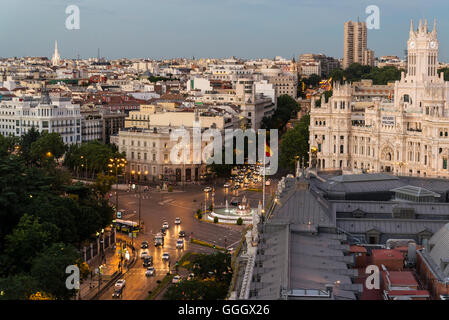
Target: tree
{"x": 103, "y": 184}
{"x": 312, "y": 81}
{"x": 8, "y": 144}
{"x": 295, "y": 143}
{"x": 445, "y": 72}
{"x": 17, "y": 287}
{"x": 28, "y": 237}
{"x": 356, "y": 72}
{"x": 48, "y": 147}
{"x": 25, "y": 143}
{"x": 286, "y": 107}
{"x": 49, "y": 268}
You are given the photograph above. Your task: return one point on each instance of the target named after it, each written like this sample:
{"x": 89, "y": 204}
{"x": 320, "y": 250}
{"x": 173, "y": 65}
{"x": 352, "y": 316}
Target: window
{"x": 341, "y": 148}
{"x": 444, "y": 163}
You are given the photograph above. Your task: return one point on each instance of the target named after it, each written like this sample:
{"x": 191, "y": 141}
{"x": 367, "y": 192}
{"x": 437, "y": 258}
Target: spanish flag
{"x": 267, "y": 150}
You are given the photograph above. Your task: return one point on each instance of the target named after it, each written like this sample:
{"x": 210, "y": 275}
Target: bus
{"x": 125, "y": 225}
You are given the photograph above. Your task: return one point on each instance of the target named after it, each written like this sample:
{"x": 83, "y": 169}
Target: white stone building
{"x": 19, "y": 115}
{"x": 406, "y": 133}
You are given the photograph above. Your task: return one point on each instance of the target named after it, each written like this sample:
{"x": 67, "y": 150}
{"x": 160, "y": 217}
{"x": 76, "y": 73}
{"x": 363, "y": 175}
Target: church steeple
{"x": 55, "y": 60}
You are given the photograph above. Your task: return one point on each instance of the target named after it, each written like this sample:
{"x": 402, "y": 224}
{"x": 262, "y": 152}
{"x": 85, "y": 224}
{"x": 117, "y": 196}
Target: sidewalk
{"x": 94, "y": 283}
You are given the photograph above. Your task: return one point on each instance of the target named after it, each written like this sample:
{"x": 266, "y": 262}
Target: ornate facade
{"x": 405, "y": 133}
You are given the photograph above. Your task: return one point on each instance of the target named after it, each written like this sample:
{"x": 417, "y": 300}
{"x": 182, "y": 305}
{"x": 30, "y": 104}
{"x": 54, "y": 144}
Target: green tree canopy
{"x": 295, "y": 142}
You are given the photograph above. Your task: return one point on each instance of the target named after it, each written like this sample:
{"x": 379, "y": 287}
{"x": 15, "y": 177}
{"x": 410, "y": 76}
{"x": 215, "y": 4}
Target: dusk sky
{"x": 209, "y": 28}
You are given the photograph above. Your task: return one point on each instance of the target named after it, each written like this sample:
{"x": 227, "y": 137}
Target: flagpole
{"x": 263, "y": 181}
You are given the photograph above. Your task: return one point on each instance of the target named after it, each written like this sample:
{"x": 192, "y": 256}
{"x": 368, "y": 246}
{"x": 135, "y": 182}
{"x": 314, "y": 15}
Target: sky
{"x": 209, "y": 28}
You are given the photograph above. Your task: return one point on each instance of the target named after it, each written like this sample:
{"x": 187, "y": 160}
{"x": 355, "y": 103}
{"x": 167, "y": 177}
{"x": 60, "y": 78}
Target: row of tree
{"x": 212, "y": 278}
{"x": 356, "y": 72}
{"x": 44, "y": 218}
{"x": 90, "y": 158}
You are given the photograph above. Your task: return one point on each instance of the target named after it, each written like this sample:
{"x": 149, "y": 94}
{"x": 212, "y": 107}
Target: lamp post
{"x": 140, "y": 196}
{"x": 116, "y": 163}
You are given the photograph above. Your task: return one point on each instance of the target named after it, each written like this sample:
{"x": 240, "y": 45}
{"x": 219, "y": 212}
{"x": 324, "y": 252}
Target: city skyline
{"x": 245, "y": 29}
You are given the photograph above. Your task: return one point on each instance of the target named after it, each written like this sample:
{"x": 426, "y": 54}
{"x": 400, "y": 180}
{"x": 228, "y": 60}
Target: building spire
{"x": 56, "y": 59}
{"x": 420, "y": 25}
{"x": 412, "y": 31}
{"x": 434, "y": 31}
{"x": 425, "y": 25}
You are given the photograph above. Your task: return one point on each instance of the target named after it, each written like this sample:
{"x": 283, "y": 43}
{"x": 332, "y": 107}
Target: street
{"x": 157, "y": 207}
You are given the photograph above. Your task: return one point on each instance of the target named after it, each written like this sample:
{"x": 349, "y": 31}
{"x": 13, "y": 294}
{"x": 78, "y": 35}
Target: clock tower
{"x": 422, "y": 53}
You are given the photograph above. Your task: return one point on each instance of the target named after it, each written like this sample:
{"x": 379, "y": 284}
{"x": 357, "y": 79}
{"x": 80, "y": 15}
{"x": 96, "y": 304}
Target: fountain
{"x": 231, "y": 215}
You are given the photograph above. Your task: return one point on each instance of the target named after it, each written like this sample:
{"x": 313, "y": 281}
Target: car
{"x": 165, "y": 225}
{"x": 150, "y": 271}
{"x": 144, "y": 245}
{"x": 207, "y": 189}
{"x": 144, "y": 253}
{"x": 178, "y": 221}
{"x": 226, "y": 185}
{"x": 147, "y": 261}
{"x": 163, "y": 232}
{"x": 180, "y": 244}
{"x": 176, "y": 279}
{"x": 120, "y": 284}
{"x": 165, "y": 256}
{"x": 117, "y": 293}
{"x": 191, "y": 276}
{"x": 182, "y": 233}
{"x": 236, "y": 187}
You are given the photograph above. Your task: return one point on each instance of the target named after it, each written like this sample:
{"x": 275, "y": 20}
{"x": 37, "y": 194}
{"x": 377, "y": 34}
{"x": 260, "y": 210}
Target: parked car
{"x": 165, "y": 225}
{"x": 182, "y": 234}
{"x": 144, "y": 245}
{"x": 144, "y": 253}
{"x": 176, "y": 279}
{"x": 178, "y": 221}
{"x": 120, "y": 284}
{"x": 150, "y": 271}
{"x": 165, "y": 256}
{"x": 180, "y": 244}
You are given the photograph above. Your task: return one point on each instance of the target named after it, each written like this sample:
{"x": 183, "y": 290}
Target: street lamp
{"x": 116, "y": 163}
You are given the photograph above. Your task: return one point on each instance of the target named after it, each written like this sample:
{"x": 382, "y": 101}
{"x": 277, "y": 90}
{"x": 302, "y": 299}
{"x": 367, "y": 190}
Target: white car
{"x": 165, "y": 225}
{"x": 178, "y": 221}
{"x": 120, "y": 284}
{"x": 144, "y": 253}
{"x": 150, "y": 271}
{"x": 207, "y": 189}
{"x": 226, "y": 185}
{"x": 180, "y": 244}
{"x": 176, "y": 279}
{"x": 165, "y": 256}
